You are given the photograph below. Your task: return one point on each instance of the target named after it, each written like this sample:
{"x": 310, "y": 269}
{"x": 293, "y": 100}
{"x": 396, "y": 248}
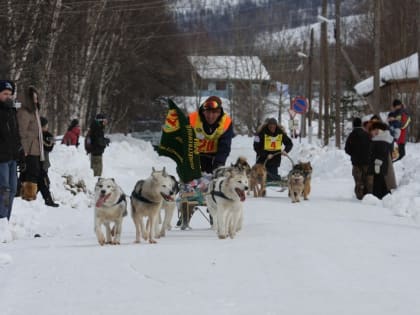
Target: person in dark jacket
{"x": 214, "y": 131}
{"x": 358, "y": 146}
{"x": 44, "y": 180}
{"x": 399, "y": 120}
{"x": 10, "y": 153}
{"x": 380, "y": 163}
{"x": 98, "y": 143}
{"x": 71, "y": 137}
{"x": 268, "y": 144}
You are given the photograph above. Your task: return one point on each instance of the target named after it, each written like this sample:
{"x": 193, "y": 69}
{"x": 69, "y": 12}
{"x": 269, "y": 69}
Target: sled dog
{"x": 306, "y": 169}
{"x": 168, "y": 207}
{"x": 257, "y": 180}
{"x": 224, "y": 201}
{"x": 296, "y": 185}
{"x": 110, "y": 207}
{"x": 241, "y": 164}
{"x": 146, "y": 201}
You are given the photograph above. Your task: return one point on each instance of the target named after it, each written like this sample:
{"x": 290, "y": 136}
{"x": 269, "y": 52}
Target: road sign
{"x": 299, "y": 104}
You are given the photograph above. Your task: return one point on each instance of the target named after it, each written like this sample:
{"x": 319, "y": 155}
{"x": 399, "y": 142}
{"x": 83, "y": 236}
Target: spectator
{"x": 98, "y": 143}
{"x": 398, "y": 118}
{"x": 44, "y": 180}
{"x": 268, "y": 144}
{"x": 10, "y": 153}
{"x": 381, "y": 171}
{"x": 31, "y": 137}
{"x": 358, "y": 146}
{"x": 71, "y": 137}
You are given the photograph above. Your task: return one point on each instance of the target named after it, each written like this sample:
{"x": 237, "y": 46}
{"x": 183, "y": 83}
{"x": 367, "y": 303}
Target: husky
{"x": 168, "y": 207}
{"x": 240, "y": 165}
{"x": 296, "y": 185}
{"x": 110, "y": 206}
{"x": 306, "y": 170}
{"x": 224, "y": 202}
{"x": 146, "y": 201}
{"x": 257, "y": 180}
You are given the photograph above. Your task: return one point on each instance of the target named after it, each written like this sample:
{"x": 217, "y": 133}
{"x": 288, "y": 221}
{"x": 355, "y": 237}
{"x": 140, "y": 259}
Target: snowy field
{"x": 331, "y": 255}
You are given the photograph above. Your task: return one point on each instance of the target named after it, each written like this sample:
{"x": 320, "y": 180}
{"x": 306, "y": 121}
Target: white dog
{"x": 168, "y": 207}
{"x": 110, "y": 206}
{"x": 146, "y": 201}
{"x": 224, "y": 202}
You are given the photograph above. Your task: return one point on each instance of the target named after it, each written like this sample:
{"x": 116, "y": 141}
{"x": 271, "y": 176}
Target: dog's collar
{"x": 219, "y": 193}
{"x": 138, "y": 196}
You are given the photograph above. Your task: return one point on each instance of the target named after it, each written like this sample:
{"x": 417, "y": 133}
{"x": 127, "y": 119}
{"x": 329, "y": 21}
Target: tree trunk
{"x": 377, "y": 57}
{"x": 325, "y": 65}
{"x": 337, "y": 73}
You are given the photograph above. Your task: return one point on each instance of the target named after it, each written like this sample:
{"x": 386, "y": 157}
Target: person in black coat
{"x": 380, "y": 164}
{"x": 98, "y": 143}
{"x": 44, "y": 180}
{"x": 358, "y": 147}
{"x": 268, "y": 144}
{"x": 10, "y": 153}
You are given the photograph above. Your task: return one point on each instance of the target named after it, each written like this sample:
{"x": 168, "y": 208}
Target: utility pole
{"x": 325, "y": 65}
{"x": 311, "y": 52}
{"x": 377, "y": 57}
{"x": 337, "y": 34}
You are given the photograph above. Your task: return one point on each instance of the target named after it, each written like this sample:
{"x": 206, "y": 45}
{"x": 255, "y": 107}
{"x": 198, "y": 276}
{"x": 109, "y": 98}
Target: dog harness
{"x": 219, "y": 193}
{"x": 138, "y": 196}
{"x": 122, "y": 198}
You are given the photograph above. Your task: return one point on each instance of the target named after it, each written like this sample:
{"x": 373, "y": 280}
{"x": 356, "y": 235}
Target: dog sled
{"x": 191, "y": 199}
{"x": 282, "y": 181}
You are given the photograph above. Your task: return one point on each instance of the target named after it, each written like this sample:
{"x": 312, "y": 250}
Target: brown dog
{"x": 257, "y": 179}
{"x": 306, "y": 169}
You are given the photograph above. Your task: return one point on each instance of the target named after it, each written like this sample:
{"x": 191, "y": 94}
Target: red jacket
{"x": 71, "y": 137}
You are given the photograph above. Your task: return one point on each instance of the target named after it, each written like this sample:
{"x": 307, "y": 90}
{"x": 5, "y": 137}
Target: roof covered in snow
{"x": 403, "y": 69}
{"x": 229, "y": 67}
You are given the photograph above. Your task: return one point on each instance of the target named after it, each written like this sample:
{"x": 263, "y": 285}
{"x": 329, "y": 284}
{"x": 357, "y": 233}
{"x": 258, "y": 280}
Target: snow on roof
{"x": 229, "y": 67}
{"x": 406, "y": 68}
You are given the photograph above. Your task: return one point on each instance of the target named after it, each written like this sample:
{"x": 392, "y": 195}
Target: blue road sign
{"x": 299, "y": 104}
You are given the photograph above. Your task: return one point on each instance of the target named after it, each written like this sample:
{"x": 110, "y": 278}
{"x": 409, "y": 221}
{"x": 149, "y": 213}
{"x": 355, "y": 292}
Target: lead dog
{"x": 224, "y": 202}
{"x": 296, "y": 185}
{"x": 110, "y": 207}
{"x": 146, "y": 201}
{"x": 168, "y": 207}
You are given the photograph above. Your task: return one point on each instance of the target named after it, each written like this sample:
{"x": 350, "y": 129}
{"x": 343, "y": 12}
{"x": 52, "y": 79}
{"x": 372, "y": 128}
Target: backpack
{"x": 88, "y": 142}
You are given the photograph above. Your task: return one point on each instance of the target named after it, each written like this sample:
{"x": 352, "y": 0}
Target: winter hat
{"x": 396, "y": 102}
{"x": 7, "y": 85}
{"x": 357, "y": 122}
{"x": 100, "y": 117}
{"x": 272, "y": 121}
{"x": 378, "y": 125}
{"x": 44, "y": 121}
{"x": 74, "y": 123}
{"x": 212, "y": 102}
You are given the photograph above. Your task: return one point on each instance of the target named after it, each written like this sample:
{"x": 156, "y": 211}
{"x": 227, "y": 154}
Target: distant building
{"x": 397, "y": 80}
{"x": 226, "y": 76}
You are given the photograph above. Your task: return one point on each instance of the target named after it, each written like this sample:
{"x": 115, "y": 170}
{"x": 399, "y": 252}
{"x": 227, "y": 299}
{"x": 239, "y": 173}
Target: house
{"x": 227, "y": 76}
{"x": 397, "y": 80}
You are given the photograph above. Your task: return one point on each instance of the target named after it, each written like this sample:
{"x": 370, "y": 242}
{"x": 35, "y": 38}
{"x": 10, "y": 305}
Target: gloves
{"x": 21, "y": 166}
{"x": 269, "y": 157}
{"x": 378, "y": 164}
{"x": 107, "y": 141}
